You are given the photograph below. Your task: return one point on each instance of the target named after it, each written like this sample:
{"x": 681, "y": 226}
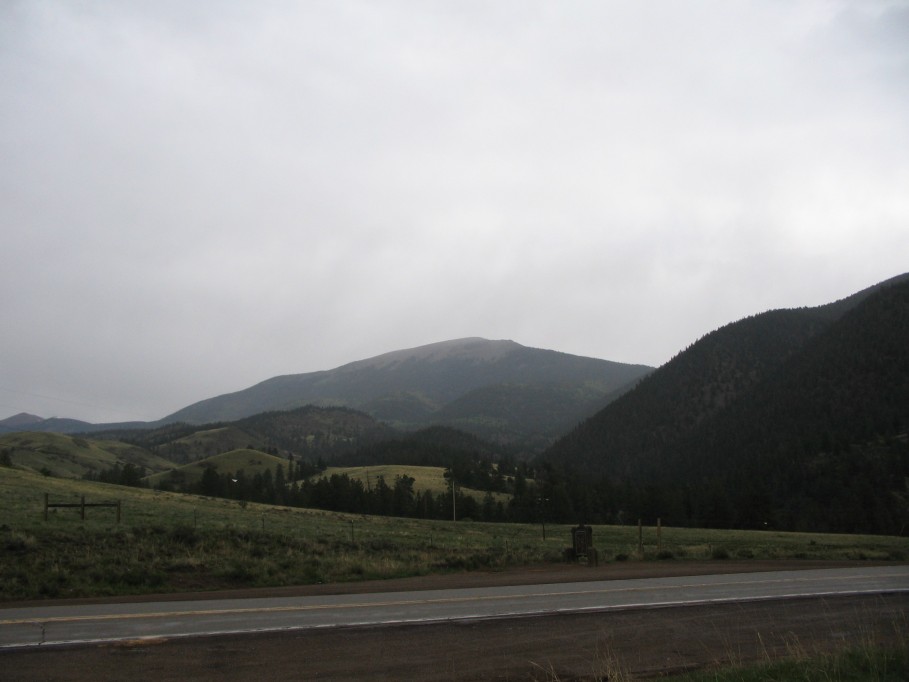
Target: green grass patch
{"x": 874, "y": 663}
{"x": 169, "y": 542}
{"x": 425, "y": 478}
{"x": 212, "y": 442}
{"x": 72, "y": 456}
{"x": 252, "y": 462}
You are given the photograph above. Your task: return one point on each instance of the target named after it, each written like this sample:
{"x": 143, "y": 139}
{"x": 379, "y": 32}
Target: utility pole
{"x": 454, "y": 512}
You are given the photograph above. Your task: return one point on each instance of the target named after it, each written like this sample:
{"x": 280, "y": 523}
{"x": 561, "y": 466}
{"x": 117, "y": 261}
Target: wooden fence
{"x": 81, "y": 505}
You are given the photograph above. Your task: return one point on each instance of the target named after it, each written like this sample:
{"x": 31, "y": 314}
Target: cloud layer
{"x": 198, "y": 196}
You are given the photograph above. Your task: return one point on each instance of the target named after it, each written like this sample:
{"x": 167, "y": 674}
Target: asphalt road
{"x": 35, "y": 626}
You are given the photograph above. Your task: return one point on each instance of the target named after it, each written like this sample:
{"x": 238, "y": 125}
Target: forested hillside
{"x": 309, "y": 431}
{"x": 624, "y": 441}
{"x": 792, "y": 418}
{"x": 822, "y": 443}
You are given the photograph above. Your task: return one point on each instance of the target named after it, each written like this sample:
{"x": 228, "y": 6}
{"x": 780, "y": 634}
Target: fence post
{"x": 640, "y": 538}
{"x": 659, "y": 536}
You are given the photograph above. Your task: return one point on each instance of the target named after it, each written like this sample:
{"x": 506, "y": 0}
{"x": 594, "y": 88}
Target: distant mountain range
{"x": 29, "y": 422}
{"x": 499, "y": 390}
{"x": 795, "y": 419}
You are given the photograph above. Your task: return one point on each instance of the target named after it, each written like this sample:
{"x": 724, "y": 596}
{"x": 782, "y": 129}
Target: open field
{"x": 425, "y": 478}
{"x": 169, "y": 542}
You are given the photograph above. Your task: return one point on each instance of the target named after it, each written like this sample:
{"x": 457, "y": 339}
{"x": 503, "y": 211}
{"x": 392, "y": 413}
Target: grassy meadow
{"x": 169, "y": 542}
{"x": 73, "y": 456}
{"x": 252, "y": 462}
{"x": 425, "y": 478}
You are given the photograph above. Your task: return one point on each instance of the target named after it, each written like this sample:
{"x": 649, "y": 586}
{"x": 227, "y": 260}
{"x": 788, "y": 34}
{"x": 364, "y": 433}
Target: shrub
{"x": 19, "y": 543}
{"x": 719, "y": 553}
{"x": 185, "y": 535}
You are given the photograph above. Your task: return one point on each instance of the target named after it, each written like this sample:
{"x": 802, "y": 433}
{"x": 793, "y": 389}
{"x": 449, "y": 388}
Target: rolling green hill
{"x": 207, "y": 442}
{"x": 251, "y": 462}
{"x": 308, "y": 431}
{"x": 73, "y": 456}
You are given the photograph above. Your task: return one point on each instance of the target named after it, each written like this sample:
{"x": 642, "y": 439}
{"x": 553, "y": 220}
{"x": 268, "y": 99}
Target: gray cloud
{"x": 197, "y": 196}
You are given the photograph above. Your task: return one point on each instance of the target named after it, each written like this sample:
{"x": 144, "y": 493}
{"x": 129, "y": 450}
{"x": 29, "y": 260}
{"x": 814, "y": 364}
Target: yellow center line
{"x": 402, "y": 602}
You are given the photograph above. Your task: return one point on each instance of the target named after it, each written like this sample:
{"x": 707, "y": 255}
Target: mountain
{"x": 29, "y": 422}
{"x": 17, "y": 421}
{"x": 791, "y": 417}
{"x": 447, "y": 383}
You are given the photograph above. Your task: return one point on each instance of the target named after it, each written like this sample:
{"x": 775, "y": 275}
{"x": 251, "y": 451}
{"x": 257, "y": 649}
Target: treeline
{"x": 340, "y": 492}
{"x": 472, "y": 462}
{"x": 128, "y": 474}
{"x": 843, "y": 488}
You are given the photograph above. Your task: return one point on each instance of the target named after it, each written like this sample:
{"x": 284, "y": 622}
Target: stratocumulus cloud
{"x": 198, "y": 196}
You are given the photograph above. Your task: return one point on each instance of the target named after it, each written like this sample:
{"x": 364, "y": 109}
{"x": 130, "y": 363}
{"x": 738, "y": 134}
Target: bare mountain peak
{"x": 474, "y": 347}
{"x": 21, "y": 419}
{"x": 407, "y": 387}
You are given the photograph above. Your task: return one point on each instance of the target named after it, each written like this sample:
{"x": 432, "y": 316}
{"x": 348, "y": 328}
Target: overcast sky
{"x": 197, "y": 196}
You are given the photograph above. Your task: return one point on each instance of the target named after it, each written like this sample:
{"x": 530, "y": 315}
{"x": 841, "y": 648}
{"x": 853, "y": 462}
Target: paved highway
{"x": 49, "y": 625}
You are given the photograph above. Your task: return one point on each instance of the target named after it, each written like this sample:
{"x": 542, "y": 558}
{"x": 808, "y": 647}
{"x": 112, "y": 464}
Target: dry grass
{"x": 171, "y": 542}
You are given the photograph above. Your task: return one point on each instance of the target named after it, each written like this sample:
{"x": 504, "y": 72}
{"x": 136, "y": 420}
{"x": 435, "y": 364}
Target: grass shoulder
{"x": 169, "y": 542}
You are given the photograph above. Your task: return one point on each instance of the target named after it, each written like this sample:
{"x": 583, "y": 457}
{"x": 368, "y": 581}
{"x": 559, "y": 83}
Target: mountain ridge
{"x": 412, "y": 389}
{"x": 408, "y": 387}
{"x": 793, "y": 417}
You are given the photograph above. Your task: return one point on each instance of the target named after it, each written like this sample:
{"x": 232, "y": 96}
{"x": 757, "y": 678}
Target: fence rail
{"x": 81, "y": 505}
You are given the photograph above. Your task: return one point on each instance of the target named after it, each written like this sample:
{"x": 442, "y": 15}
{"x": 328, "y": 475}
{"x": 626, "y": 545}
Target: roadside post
{"x": 582, "y": 546}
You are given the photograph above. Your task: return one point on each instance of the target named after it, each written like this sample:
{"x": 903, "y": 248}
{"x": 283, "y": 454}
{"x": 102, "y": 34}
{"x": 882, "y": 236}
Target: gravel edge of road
{"x": 540, "y": 574}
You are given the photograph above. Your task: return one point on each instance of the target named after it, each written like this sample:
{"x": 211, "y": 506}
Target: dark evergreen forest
{"x": 792, "y": 419}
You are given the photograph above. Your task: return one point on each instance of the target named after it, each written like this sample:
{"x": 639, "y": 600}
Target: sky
{"x": 195, "y": 197}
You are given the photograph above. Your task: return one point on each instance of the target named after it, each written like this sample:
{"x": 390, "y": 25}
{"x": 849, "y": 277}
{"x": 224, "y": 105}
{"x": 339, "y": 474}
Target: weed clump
{"x": 19, "y": 543}
{"x": 719, "y": 553}
{"x": 184, "y": 535}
